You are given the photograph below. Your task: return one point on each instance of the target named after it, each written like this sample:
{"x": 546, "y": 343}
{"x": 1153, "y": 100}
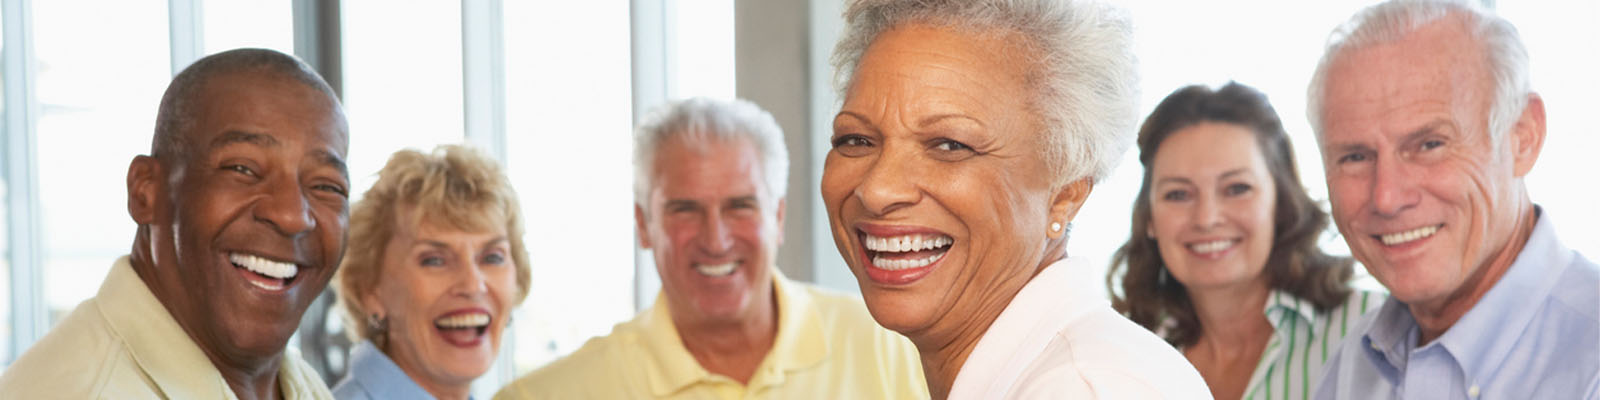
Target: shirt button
{"x": 1473, "y": 391}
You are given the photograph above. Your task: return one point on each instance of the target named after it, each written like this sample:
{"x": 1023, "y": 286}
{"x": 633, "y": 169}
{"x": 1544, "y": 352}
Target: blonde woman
{"x": 434, "y": 266}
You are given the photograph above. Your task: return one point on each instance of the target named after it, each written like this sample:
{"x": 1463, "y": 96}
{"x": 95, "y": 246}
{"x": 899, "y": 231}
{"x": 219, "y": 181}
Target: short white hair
{"x": 698, "y": 121}
{"x": 1506, "y": 57}
{"x": 1080, "y": 60}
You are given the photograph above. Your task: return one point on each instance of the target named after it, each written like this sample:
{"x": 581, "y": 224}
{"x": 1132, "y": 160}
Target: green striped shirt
{"x": 1302, "y": 341}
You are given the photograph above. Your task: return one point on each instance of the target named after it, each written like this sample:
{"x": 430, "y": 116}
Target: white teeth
{"x": 275, "y": 269}
{"x": 881, "y": 262}
{"x": 716, "y": 270}
{"x": 1407, "y": 236}
{"x": 472, "y": 320}
{"x": 905, "y": 243}
{"x": 1212, "y": 246}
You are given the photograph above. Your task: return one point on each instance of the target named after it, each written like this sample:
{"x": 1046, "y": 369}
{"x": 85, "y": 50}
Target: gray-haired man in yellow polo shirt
{"x": 709, "y": 186}
{"x": 242, "y": 211}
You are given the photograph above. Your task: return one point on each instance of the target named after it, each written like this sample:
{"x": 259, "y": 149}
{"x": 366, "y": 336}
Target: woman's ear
{"x": 1065, "y": 203}
{"x": 146, "y": 184}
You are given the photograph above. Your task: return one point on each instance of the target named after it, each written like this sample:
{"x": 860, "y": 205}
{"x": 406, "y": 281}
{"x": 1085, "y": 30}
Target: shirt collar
{"x": 1282, "y": 308}
{"x": 165, "y": 352}
{"x": 1485, "y": 335}
{"x": 801, "y": 342}
{"x": 154, "y": 339}
{"x": 379, "y": 376}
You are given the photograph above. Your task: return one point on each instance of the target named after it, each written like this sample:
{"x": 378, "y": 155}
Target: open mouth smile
{"x": 905, "y": 258}
{"x": 264, "y": 273}
{"x": 1403, "y": 237}
{"x": 463, "y": 328}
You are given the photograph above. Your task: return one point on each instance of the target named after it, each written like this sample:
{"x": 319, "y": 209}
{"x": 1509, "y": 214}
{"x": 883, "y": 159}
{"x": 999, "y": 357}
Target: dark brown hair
{"x": 1296, "y": 265}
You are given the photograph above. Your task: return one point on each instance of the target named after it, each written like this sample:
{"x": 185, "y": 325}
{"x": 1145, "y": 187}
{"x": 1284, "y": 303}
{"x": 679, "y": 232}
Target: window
{"x": 568, "y": 141}
{"x": 234, "y": 24}
{"x": 101, "y": 89}
{"x": 402, "y": 82}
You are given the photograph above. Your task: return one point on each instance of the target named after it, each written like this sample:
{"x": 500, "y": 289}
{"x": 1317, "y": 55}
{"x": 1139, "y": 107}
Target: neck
{"x": 942, "y": 358}
{"x": 944, "y": 353}
{"x": 249, "y": 378}
{"x": 1232, "y": 324}
{"x": 733, "y": 349}
{"x": 1434, "y": 318}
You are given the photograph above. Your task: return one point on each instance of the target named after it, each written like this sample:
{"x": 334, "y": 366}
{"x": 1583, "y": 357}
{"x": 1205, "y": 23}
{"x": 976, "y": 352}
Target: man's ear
{"x": 1527, "y": 136}
{"x": 782, "y": 205}
{"x": 640, "y": 221}
{"x": 1065, "y": 203}
{"x": 147, "y": 181}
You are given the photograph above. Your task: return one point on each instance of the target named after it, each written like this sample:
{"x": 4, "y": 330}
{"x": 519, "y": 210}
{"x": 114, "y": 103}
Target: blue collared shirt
{"x": 1534, "y": 335}
{"x": 374, "y": 376}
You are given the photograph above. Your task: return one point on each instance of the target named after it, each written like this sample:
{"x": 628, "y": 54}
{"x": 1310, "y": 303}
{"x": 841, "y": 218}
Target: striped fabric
{"x": 1302, "y": 343}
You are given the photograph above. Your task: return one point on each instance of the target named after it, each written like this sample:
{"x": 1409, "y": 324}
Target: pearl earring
{"x": 1055, "y": 226}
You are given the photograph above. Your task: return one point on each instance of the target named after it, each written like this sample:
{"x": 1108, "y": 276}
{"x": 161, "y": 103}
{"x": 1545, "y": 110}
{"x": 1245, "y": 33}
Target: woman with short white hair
{"x": 971, "y": 133}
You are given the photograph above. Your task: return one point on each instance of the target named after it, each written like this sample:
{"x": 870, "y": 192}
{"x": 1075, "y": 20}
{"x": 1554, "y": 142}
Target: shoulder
{"x": 299, "y": 379}
{"x": 79, "y": 358}
{"x": 1575, "y": 289}
{"x": 596, "y": 364}
{"x": 1105, "y": 351}
{"x": 851, "y": 327}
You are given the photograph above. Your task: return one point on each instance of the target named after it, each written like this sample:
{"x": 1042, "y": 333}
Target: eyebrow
{"x": 937, "y": 118}
{"x": 234, "y": 136}
{"x": 443, "y": 245}
{"x": 1179, "y": 179}
{"x": 332, "y": 160}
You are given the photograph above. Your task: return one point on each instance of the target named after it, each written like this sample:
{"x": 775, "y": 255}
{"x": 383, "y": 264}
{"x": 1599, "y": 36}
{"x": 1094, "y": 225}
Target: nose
{"x": 1207, "y": 213}
{"x": 470, "y": 281}
{"x": 1393, "y": 190}
{"x": 889, "y": 184}
{"x": 286, "y": 209}
{"x": 716, "y": 238}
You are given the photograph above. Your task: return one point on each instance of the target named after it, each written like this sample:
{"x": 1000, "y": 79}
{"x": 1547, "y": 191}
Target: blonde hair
{"x": 456, "y": 187}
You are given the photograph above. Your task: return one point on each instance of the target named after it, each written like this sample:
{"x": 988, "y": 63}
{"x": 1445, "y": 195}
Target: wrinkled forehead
{"x": 268, "y": 103}
{"x": 708, "y": 168}
{"x": 1436, "y": 67}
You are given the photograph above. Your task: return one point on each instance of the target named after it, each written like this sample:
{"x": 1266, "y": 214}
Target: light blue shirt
{"x": 1534, "y": 335}
{"x": 373, "y": 375}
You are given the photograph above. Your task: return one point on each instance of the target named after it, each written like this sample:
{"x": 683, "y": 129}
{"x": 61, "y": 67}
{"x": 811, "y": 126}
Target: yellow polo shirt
{"x": 827, "y": 347}
{"x": 122, "y": 344}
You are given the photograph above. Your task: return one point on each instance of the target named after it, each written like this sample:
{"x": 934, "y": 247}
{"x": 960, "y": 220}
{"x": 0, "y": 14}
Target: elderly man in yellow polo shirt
{"x": 241, "y": 215}
{"x": 709, "y": 185}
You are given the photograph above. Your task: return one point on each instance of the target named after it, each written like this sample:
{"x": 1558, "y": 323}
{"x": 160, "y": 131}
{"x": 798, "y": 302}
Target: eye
{"x": 1352, "y": 158}
{"x": 1237, "y": 189}
{"x": 336, "y": 189}
{"x": 239, "y": 169}
{"x": 431, "y": 261}
{"x": 1175, "y": 195}
{"x": 1431, "y": 144}
{"x": 951, "y": 145}
{"x": 852, "y": 145}
{"x": 494, "y": 258}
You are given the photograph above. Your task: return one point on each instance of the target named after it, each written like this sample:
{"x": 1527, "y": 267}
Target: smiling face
{"x": 447, "y": 297}
{"x": 713, "y": 227}
{"x": 937, "y": 190}
{"x": 1211, "y": 206}
{"x": 248, "y": 227}
{"x": 1419, "y": 190}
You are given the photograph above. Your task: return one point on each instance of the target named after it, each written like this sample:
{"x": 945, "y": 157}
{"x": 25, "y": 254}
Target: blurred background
{"x": 552, "y": 88}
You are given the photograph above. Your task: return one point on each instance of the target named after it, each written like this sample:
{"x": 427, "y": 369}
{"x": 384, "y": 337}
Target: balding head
{"x": 177, "y": 113}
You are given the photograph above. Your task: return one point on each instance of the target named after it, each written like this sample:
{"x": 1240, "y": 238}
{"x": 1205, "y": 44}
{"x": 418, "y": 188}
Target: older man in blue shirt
{"x": 1427, "y": 126}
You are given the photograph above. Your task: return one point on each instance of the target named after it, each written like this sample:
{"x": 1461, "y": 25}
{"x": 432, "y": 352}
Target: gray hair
{"x": 699, "y": 120}
{"x": 1080, "y": 55}
{"x": 1507, "y": 59}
